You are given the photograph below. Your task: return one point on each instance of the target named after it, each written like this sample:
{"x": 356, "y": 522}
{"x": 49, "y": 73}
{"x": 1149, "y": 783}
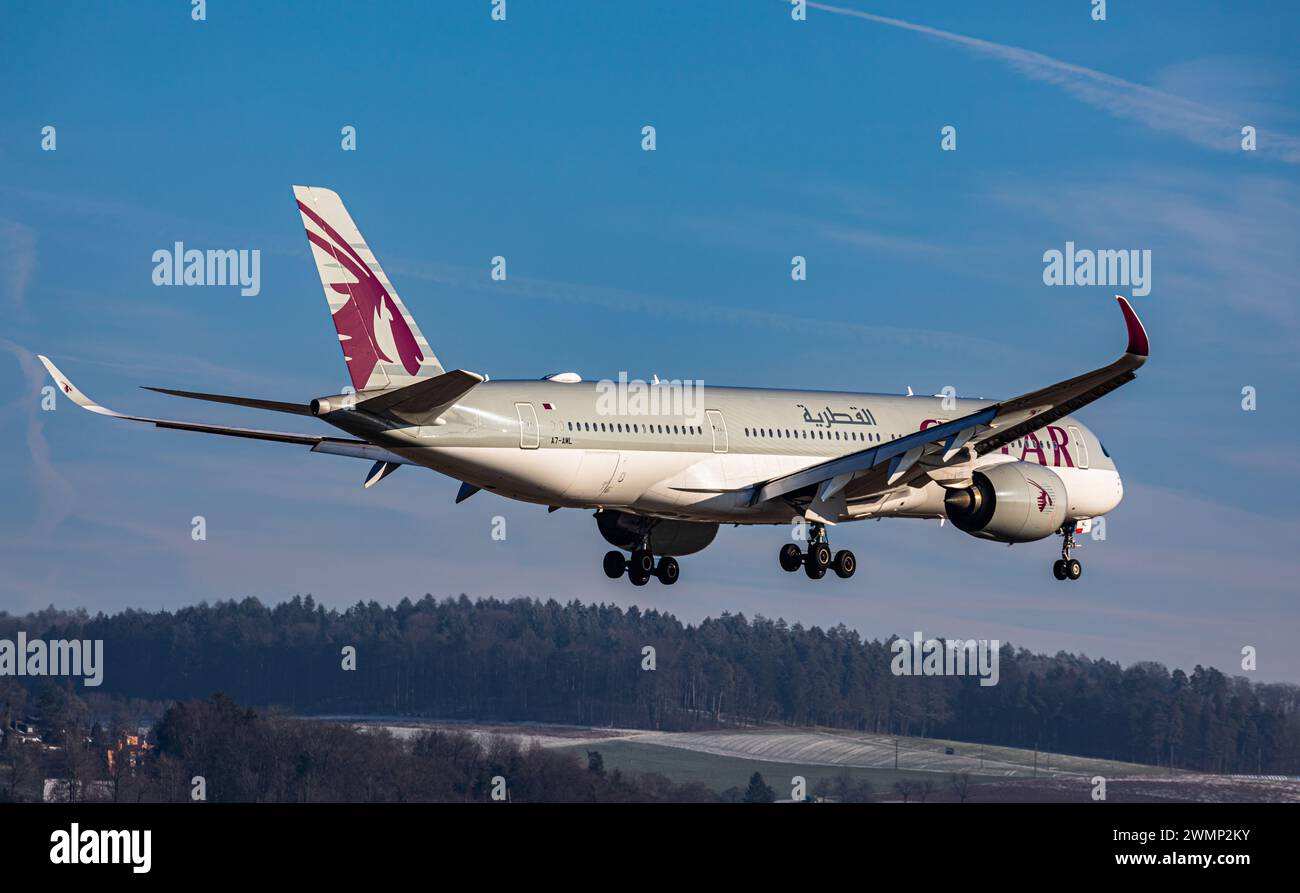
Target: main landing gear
{"x": 1065, "y": 567}
{"x": 641, "y": 567}
{"x": 818, "y": 559}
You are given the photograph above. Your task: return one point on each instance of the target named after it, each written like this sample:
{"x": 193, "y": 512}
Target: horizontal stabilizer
{"x": 428, "y": 396}
{"x": 253, "y": 402}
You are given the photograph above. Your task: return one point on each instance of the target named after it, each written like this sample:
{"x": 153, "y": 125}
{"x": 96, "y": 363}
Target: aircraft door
{"x": 718, "y": 426}
{"x": 1080, "y": 447}
{"x": 528, "y": 431}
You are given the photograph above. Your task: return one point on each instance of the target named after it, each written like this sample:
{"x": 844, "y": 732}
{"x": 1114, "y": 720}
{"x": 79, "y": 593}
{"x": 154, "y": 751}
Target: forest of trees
{"x": 249, "y": 756}
{"x": 526, "y": 660}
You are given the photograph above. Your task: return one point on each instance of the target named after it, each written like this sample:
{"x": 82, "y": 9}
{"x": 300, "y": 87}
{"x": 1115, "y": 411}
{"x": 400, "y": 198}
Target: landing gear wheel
{"x": 668, "y": 570}
{"x": 638, "y": 579}
{"x": 1073, "y": 569}
{"x": 1058, "y": 569}
{"x": 845, "y": 564}
{"x": 790, "y": 557}
{"x": 817, "y": 560}
{"x": 820, "y": 555}
{"x": 642, "y": 564}
{"x": 614, "y": 564}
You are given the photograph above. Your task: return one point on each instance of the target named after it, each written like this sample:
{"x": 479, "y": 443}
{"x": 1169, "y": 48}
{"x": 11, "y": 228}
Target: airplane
{"x": 664, "y": 464}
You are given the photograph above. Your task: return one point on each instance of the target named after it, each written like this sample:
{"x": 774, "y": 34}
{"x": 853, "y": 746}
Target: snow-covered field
{"x": 545, "y": 735}
{"x": 1006, "y": 774}
{"x": 813, "y": 747}
{"x": 821, "y": 748}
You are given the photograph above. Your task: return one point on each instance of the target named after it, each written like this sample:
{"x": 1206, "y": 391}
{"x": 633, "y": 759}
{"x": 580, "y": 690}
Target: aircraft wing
{"x": 890, "y": 464}
{"x": 334, "y": 445}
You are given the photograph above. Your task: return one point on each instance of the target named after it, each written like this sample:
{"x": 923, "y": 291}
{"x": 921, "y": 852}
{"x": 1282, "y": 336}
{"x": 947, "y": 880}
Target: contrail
{"x": 1205, "y": 126}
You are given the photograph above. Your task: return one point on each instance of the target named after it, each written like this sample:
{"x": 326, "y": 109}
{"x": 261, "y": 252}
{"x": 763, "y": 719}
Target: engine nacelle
{"x": 666, "y": 537}
{"x": 1012, "y": 502}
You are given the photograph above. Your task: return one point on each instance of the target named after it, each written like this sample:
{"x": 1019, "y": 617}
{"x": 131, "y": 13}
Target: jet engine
{"x": 1012, "y": 502}
{"x": 621, "y": 529}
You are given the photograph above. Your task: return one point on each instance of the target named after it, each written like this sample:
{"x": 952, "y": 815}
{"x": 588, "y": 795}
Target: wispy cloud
{"x": 55, "y": 496}
{"x": 1229, "y": 242}
{"x": 1201, "y": 124}
{"x": 18, "y": 243}
{"x": 693, "y": 310}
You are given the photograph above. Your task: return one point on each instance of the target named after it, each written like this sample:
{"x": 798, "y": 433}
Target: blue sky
{"x": 522, "y": 138}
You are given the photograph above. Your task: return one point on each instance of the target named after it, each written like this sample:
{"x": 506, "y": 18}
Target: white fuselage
{"x": 702, "y": 465}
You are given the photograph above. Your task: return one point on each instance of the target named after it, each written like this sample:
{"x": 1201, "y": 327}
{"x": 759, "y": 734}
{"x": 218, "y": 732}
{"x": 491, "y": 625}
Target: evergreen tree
{"x": 758, "y": 791}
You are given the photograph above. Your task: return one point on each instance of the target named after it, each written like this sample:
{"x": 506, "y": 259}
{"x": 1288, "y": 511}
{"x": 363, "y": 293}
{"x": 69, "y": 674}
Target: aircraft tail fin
{"x": 381, "y": 342}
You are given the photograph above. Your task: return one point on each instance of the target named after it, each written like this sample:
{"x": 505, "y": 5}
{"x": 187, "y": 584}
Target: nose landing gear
{"x": 1065, "y": 567}
{"x": 818, "y": 559}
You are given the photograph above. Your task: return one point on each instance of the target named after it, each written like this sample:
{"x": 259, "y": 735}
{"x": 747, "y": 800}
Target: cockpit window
{"x": 1103, "y": 449}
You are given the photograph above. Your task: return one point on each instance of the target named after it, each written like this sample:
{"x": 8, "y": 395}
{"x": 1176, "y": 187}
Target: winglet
{"x": 72, "y": 392}
{"x": 1137, "y": 335}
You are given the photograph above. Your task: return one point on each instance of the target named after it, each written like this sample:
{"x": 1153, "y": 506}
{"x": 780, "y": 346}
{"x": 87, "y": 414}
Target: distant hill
{"x": 526, "y": 660}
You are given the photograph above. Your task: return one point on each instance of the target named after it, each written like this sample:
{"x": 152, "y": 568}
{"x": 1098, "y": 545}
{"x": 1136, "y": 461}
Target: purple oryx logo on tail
{"x": 371, "y": 324}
